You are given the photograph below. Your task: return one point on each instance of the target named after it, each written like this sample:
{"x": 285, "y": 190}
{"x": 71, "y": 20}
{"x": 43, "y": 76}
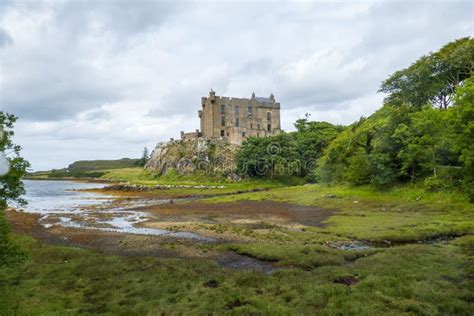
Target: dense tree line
{"x": 423, "y": 132}
{"x": 295, "y": 153}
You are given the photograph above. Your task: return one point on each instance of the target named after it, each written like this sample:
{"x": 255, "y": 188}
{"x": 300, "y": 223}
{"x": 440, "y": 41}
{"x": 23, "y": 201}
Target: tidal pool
{"x": 62, "y": 203}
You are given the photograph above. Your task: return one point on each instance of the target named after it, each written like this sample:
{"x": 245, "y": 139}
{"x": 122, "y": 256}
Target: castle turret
{"x": 212, "y": 95}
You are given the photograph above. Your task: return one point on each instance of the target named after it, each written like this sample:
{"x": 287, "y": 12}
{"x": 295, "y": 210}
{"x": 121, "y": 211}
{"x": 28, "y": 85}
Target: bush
{"x": 10, "y": 253}
{"x": 434, "y": 184}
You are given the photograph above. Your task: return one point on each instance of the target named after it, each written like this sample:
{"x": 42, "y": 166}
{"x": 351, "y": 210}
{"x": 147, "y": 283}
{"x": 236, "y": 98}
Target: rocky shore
{"x": 136, "y": 187}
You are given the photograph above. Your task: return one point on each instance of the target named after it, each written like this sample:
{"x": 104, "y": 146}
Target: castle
{"x": 235, "y": 119}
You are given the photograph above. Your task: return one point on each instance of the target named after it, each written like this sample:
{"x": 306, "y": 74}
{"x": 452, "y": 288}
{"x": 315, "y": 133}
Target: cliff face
{"x": 214, "y": 156}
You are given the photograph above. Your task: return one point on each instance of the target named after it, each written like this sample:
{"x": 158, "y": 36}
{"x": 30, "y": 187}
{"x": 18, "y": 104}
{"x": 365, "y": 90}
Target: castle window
{"x": 227, "y": 134}
{"x": 243, "y": 134}
{"x": 237, "y": 110}
{"x": 237, "y": 122}
{"x": 222, "y": 120}
{"x": 269, "y": 128}
{"x": 251, "y": 125}
{"x": 269, "y": 116}
{"x": 250, "y": 110}
{"x": 258, "y": 134}
{"x": 222, "y": 108}
{"x": 258, "y": 126}
{"x": 222, "y": 133}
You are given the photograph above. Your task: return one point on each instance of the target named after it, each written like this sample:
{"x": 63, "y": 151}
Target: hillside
{"x": 84, "y": 169}
{"x": 89, "y": 165}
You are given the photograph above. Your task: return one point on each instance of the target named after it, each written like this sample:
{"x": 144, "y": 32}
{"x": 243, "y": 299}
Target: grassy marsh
{"x": 416, "y": 278}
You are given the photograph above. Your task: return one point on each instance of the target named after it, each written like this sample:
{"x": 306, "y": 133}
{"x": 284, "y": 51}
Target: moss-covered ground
{"x": 411, "y": 279}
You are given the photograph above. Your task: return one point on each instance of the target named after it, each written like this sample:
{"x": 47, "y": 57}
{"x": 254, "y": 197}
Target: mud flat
{"x": 141, "y": 224}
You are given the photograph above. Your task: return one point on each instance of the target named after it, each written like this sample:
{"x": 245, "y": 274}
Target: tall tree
{"x": 144, "y": 158}
{"x": 12, "y": 165}
{"x": 433, "y": 78}
{"x": 12, "y": 169}
{"x": 463, "y": 132}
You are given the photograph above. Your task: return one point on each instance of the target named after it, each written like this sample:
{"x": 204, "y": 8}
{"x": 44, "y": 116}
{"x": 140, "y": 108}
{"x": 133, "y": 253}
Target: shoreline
{"x": 89, "y": 180}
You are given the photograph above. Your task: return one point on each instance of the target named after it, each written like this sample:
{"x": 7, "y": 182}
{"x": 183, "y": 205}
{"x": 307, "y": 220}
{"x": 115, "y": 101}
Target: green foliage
{"x": 434, "y": 184}
{"x": 365, "y": 152}
{"x": 10, "y": 253}
{"x": 11, "y": 187}
{"x": 422, "y": 142}
{"x": 268, "y": 156}
{"x": 294, "y": 154}
{"x": 433, "y": 78}
{"x": 408, "y": 139}
{"x": 462, "y": 126}
{"x": 143, "y": 160}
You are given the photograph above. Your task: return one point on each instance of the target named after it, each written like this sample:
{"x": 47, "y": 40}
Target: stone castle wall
{"x": 235, "y": 119}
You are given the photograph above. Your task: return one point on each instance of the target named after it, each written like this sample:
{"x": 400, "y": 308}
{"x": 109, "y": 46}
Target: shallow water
{"x": 353, "y": 246}
{"x": 59, "y": 203}
{"x": 45, "y": 196}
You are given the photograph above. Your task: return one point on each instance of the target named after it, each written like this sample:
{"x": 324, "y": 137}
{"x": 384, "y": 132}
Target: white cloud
{"x": 103, "y": 79}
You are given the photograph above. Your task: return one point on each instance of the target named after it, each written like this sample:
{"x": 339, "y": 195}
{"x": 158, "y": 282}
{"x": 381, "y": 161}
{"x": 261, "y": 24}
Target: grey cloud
{"x": 55, "y": 93}
{"x": 263, "y": 66}
{"x": 122, "y": 17}
{"x": 5, "y": 38}
{"x": 86, "y": 61}
{"x": 57, "y": 79}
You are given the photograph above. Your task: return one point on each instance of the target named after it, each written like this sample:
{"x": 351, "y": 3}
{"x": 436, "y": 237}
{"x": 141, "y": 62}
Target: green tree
{"x": 311, "y": 139}
{"x": 421, "y": 142}
{"x": 145, "y": 157}
{"x": 12, "y": 169}
{"x": 433, "y": 78}
{"x": 463, "y": 132}
{"x": 268, "y": 156}
{"x": 296, "y": 153}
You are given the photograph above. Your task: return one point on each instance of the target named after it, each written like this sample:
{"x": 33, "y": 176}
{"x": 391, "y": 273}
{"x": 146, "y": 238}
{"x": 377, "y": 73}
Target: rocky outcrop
{"x": 214, "y": 156}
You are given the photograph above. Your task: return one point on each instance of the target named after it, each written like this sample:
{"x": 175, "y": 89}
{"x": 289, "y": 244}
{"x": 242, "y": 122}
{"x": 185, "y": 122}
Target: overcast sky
{"x": 103, "y": 79}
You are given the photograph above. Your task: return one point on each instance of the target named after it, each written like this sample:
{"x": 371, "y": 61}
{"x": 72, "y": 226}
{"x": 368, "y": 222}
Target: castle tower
{"x": 236, "y": 119}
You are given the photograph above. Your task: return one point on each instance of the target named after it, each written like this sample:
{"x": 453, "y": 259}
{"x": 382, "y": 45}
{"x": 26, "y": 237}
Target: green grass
{"x": 300, "y": 256}
{"x": 367, "y": 214}
{"x": 137, "y": 174}
{"x": 141, "y": 176}
{"x": 90, "y": 165}
{"x": 406, "y": 280}
{"x": 411, "y": 279}
{"x": 84, "y": 169}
